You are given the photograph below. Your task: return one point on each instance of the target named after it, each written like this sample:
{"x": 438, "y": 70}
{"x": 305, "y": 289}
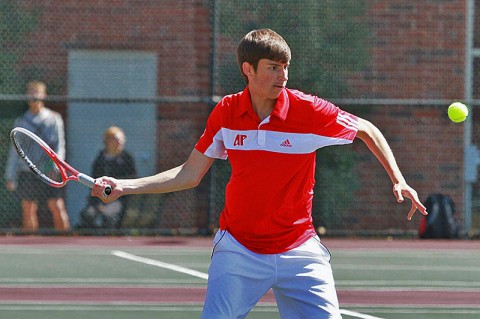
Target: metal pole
{"x": 468, "y": 86}
{"x": 212, "y": 207}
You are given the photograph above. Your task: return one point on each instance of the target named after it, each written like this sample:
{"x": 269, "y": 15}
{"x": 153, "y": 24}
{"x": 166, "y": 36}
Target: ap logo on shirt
{"x": 239, "y": 139}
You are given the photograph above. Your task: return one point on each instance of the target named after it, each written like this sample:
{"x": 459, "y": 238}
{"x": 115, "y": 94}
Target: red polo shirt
{"x": 268, "y": 202}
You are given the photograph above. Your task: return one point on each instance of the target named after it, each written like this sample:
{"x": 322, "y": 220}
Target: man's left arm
{"x": 378, "y": 145}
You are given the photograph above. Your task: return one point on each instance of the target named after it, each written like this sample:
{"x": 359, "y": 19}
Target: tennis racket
{"x": 45, "y": 163}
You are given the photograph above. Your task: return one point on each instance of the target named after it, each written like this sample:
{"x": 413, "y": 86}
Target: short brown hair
{"x": 262, "y": 44}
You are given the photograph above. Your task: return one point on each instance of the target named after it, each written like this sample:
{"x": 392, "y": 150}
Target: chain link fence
{"x": 157, "y": 68}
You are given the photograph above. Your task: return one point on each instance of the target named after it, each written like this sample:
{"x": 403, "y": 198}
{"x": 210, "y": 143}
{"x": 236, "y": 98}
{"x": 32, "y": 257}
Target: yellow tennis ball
{"x": 321, "y": 230}
{"x": 457, "y": 112}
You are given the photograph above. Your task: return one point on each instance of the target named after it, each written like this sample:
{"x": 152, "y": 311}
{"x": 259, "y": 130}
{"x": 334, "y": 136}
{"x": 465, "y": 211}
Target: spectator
{"x": 48, "y": 125}
{"x": 112, "y": 160}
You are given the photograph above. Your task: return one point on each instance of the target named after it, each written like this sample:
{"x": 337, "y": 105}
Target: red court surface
{"x": 192, "y": 295}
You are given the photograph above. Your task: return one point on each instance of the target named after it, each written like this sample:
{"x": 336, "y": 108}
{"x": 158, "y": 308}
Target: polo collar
{"x": 280, "y": 109}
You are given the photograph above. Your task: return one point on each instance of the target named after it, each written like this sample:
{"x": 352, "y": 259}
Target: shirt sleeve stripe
{"x": 347, "y": 121}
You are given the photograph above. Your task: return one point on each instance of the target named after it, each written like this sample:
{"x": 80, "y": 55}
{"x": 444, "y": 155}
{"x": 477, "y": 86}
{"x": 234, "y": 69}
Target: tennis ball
{"x": 321, "y": 230}
{"x": 457, "y": 112}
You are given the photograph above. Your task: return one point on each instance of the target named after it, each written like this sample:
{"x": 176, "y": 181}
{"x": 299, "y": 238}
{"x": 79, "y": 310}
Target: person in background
{"x": 112, "y": 160}
{"x": 48, "y": 125}
{"x": 270, "y": 135}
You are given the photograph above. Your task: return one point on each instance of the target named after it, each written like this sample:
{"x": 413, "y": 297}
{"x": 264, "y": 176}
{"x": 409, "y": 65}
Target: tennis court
{"x": 165, "y": 277}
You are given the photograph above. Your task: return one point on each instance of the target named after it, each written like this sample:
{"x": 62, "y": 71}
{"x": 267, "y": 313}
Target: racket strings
{"x": 38, "y": 159}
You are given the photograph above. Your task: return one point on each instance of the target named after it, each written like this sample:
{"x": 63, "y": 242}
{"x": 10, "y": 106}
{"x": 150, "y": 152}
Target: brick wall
{"x": 418, "y": 53}
{"x": 429, "y": 150}
{"x": 178, "y": 31}
{"x": 418, "y": 50}
{"x": 175, "y": 29}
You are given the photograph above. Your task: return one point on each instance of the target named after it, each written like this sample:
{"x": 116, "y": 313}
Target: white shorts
{"x": 301, "y": 280}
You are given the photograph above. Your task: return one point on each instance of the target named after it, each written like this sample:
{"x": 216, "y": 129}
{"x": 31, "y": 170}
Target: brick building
{"x": 418, "y": 52}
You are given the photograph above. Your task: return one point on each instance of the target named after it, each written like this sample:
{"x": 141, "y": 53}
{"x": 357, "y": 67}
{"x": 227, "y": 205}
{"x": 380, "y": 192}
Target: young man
{"x": 266, "y": 238}
{"x": 48, "y": 125}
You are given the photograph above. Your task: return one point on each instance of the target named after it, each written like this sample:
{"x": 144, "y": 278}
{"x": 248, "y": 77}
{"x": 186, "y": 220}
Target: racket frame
{"x": 64, "y": 168}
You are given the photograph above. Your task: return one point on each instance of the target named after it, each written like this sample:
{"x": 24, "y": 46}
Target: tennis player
{"x": 266, "y": 239}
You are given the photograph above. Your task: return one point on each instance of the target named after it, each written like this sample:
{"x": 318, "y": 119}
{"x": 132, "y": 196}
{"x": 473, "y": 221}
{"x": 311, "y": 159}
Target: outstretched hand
{"x": 401, "y": 190}
{"x": 99, "y": 189}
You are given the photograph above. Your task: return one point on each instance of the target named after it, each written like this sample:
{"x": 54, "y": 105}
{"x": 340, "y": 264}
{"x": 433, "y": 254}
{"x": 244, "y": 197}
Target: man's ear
{"x": 247, "y": 68}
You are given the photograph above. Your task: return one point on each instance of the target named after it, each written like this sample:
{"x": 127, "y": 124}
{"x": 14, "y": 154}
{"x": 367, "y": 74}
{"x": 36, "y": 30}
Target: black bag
{"x": 440, "y": 221}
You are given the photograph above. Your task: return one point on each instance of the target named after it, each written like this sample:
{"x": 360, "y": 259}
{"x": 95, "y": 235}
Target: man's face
{"x": 36, "y": 96}
{"x": 115, "y": 144}
{"x": 269, "y": 79}
{"x": 36, "y": 93}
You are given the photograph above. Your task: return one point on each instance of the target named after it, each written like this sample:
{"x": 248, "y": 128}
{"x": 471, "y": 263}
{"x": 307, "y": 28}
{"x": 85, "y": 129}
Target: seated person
{"x": 113, "y": 160}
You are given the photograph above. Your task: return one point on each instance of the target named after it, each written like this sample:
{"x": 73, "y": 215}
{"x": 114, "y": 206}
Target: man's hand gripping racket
{"x": 45, "y": 163}
{"x": 101, "y": 183}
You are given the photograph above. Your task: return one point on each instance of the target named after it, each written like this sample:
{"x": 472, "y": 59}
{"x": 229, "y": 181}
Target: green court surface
{"x": 375, "y": 279}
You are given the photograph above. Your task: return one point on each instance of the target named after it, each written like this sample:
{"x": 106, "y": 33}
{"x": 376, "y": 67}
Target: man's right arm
{"x": 188, "y": 175}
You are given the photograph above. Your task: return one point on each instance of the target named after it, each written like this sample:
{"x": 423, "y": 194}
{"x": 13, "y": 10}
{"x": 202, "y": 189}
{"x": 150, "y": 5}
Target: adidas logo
{"x": 286, "y": 143}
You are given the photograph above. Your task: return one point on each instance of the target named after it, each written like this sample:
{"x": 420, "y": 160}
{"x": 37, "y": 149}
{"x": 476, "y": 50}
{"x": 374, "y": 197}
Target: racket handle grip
{"x": 86, "y": 180}
{"x": 89, "y": 181}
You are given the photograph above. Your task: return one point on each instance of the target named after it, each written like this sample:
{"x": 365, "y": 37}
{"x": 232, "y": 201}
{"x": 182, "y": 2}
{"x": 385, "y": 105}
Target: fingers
{"x": 102, "y": 189}
{"x": 401, "y": 191}
{"x": 411, "y": 212}
{"x": 414, "y": 208}
{"x": 97, "y": 189}
{"x": 398, "y": 195}
{"x": 416, "y": 204}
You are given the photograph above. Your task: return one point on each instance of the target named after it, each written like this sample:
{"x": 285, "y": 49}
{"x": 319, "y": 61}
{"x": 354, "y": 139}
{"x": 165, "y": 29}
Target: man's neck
{"x": 262, "y": 107}
{"x": 35, "y": 109}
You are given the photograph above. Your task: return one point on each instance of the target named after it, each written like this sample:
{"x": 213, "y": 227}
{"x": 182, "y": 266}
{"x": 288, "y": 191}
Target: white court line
{"x": 357, "y": 314}
{"x": 160, "y": 264}
{"x": 409, "y": 268}
{"x": 432, "y": 284}
{"x": 203, "y": 275}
